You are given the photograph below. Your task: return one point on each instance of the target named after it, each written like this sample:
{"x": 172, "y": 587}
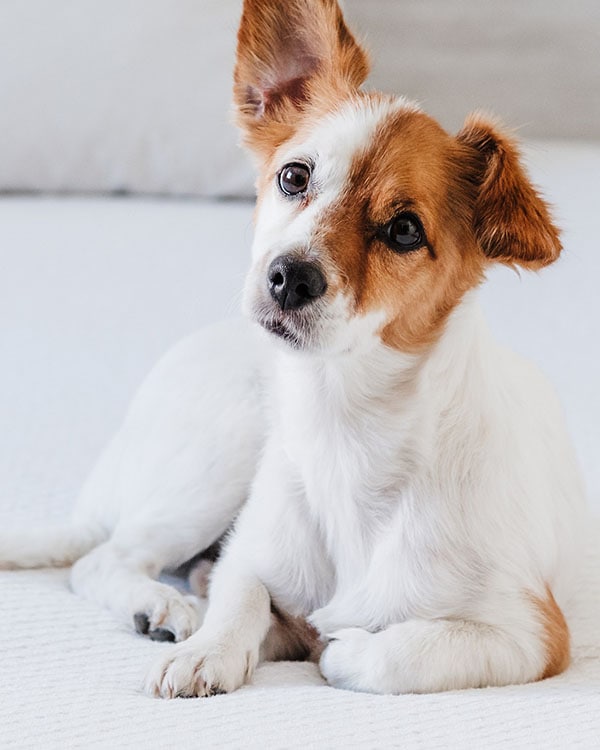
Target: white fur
{"x": 410, "y": 506}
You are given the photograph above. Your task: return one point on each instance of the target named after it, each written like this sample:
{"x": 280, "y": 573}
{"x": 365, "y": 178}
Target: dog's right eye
{"x": 404, "y": 233}
{"x": 294, "y": 178}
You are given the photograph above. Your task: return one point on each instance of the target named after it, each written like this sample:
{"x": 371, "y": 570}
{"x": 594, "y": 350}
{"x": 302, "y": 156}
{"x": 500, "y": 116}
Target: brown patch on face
{"x": 556, "y": 635}
{"x": 291, "y": 55}
{"x": 412, "y": 165}
{"x": 474, "y": 201}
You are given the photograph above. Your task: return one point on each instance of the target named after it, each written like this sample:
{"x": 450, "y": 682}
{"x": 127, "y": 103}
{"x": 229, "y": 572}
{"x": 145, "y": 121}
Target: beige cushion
{"x": 535, "y": 64}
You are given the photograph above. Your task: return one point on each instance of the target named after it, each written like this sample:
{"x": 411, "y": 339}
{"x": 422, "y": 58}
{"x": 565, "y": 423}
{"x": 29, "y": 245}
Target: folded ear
{"x": 511, "y": 221}
{"x": 287, "y": 50}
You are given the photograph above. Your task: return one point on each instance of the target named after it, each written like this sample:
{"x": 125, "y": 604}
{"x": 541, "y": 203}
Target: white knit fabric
{"x": 91, "y": 292}
{"x": 71, "y": 677}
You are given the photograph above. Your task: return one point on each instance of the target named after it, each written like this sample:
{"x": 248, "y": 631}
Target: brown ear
{"x": 511, "y": 221}
{"x": 286, "y": 48}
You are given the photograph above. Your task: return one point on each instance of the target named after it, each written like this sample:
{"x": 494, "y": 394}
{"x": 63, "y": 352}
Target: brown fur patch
{"x": 411, "y": 165}
{"x": 290, "y": 54}
{"x": 556, "y": 635}
{"x": 290, "y": 639}
{"x": 511, "y": 221}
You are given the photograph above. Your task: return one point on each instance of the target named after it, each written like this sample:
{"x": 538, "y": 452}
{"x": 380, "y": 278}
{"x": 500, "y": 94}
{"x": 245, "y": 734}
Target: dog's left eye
{"x": 404, "y": 233}
{"x": 294, "y": 178}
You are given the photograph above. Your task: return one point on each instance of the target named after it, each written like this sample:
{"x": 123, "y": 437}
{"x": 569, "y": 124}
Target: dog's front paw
{"x": 345, "y": 661}
{"x": 200, "y": 669}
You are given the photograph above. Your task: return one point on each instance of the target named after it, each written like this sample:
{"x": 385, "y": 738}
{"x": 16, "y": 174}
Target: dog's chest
{"x": 375, "y": 514}
{"x": 355, "y": 472}
{"x": 377, "y": 530}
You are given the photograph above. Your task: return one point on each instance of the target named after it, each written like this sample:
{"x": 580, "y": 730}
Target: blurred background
{"x": 134, "y": 95}
{"x": 126, "y": 214}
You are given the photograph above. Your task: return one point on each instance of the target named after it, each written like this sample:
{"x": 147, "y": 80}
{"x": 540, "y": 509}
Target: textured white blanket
{"x": 70, "y": 678}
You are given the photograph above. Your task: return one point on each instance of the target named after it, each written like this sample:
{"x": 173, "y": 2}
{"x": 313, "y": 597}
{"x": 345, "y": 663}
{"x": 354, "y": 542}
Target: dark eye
{"x": 404, "y": 233}
{"x": 294, "y": 179}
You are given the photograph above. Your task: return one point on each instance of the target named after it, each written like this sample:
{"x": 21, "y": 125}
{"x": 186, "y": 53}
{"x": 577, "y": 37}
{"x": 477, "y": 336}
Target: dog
{"x": 396, "y": 494}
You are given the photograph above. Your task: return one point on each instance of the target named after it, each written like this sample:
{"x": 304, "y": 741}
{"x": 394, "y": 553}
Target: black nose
{"x": 294, "y": 283}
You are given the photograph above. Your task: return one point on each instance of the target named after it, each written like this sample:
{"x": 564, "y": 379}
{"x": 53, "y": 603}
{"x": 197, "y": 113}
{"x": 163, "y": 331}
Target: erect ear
{"x": 511, "y": 221}
{"x": 289, "y": 53}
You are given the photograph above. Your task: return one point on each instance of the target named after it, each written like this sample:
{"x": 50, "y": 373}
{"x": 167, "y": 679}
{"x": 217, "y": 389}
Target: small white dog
{"x": 401, "y": 483}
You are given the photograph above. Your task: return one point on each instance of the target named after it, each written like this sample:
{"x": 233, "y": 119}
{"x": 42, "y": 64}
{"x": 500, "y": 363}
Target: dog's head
{"x": 371, "y": 219}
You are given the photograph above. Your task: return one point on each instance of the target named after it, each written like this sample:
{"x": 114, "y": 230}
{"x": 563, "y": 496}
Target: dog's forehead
{"x": 379, "y": 149}
{"x": 335, "y": 140}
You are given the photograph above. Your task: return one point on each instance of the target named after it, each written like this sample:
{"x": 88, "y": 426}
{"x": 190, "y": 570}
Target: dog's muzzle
{"x": 295, "y": 283}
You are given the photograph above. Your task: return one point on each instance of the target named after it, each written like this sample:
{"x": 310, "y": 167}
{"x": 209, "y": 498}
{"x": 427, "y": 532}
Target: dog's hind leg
{"x": 530, "y": 642}
{"x": 121, "y": 576}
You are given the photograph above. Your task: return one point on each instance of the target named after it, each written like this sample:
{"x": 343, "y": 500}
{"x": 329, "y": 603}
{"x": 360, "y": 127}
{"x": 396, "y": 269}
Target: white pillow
{"x": 131, "y": 95}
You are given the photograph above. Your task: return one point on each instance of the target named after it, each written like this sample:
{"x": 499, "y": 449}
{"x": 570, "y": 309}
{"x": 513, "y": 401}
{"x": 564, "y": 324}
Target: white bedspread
{"x": 91, "y": 292}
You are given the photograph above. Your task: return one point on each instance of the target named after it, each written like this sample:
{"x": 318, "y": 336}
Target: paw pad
{"x": 162, "y": 634}
{"x": 141, "y": 623}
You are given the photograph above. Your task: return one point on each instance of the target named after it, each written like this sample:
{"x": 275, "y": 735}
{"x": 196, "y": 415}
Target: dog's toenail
{"x": 141, "y": 622}
{"x": 161, "y": 634}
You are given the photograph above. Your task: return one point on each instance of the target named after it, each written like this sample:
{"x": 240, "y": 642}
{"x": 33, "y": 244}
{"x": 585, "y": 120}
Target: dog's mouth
{"x": 299, "y": 329}
{"x": 282, "y": 331}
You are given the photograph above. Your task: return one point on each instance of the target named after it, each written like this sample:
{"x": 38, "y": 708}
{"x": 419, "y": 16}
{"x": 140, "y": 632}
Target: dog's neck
{"x": 378, "y": 379}
{"x": 363, "y": 432}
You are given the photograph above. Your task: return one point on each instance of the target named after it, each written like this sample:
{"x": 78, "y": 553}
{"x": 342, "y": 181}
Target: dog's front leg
{"x": 222, "y": 655}
{"x": 426, "y": 656}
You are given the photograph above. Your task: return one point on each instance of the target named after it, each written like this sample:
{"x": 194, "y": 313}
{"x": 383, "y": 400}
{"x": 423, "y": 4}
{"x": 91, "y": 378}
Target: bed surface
{"x": 92, "y": 291}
